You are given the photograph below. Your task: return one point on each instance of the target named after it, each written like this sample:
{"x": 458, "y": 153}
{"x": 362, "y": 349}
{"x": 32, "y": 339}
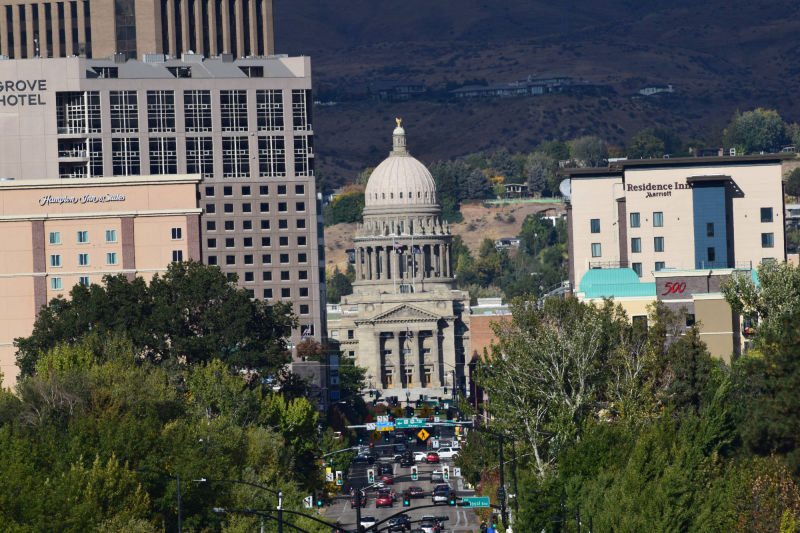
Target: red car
{"x": 388, "y": 479}
{"x": 416, "y": 492}
{"x": 384, "y": 499}
{"x": 433, "y": 457}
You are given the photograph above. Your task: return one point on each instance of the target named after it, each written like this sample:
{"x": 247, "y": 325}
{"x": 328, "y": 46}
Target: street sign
{"x": 437, "y": 419}
{"x": 423, "y": 435}
{"x": 308, "y": 502}
{"x": 401, "y": 423}
{"x": 456, "y": 472}
{"x": 329, "y": 477}
{"x": 384, "y": 426}
{"x": 371, "y": 426}
{"x": 475, "y": 501}
{"x": 376, "y": 436}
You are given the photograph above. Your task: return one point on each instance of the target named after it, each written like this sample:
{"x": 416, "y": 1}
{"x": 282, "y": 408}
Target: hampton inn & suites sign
{"x": 85, "y": 199}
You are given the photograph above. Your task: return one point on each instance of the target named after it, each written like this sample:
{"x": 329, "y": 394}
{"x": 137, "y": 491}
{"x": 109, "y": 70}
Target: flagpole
{"x": 413, "y": 264}
{"x": 394, "y": 274}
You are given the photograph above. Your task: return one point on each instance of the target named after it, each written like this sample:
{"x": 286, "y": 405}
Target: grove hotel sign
{"x": 85, "y": 199}
{"x": 15, "y": 93}
{"x": 655, "y": 190}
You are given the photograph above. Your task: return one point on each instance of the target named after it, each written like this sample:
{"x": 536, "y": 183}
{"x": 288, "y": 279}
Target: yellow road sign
{"x": 376, "y": 436}
{"x": 423, "y": 434}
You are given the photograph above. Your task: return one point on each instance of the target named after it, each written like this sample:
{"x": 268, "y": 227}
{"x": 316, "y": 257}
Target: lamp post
{"x": 177, "y": 478}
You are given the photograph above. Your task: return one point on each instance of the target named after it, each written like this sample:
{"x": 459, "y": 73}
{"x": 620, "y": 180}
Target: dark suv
{"x": 399, "y": 523}
{"x": 384, "y": 468}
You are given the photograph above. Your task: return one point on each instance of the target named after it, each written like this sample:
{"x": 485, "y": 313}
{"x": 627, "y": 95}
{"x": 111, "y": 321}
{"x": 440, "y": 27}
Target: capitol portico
{"x": 405, "y": 322}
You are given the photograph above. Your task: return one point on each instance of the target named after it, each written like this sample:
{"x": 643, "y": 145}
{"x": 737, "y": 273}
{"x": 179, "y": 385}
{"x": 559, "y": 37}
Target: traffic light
{"x": 371, "y": 475}
{"x": 437, "y": 411}
{"x": 371, "y": 444}
{"x": 375, "y": 403}
{"x": 406, "y": 499}
{"x": 371, "y": 394}
{"x": 386, "y": 438}
{"x": 446, "y": 473}
{"x": 360, "y": 440}
{"x": 339, "y": 480}
{"x": 414, "y": 473}
{"x": 445, "y": 390}
{"x": 319, "y": 498}
{"x": 452, "y": 500}
{"x": 494, "y": 521}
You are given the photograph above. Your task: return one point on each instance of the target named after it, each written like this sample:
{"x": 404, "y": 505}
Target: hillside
{"x": 720, "y": 57}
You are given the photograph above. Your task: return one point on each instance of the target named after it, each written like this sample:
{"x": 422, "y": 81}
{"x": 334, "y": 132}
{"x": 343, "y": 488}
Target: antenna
{"x": 565, "y": 188}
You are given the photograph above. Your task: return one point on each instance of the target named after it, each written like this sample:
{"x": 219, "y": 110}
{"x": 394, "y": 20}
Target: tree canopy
{"x": 756, "y": 131}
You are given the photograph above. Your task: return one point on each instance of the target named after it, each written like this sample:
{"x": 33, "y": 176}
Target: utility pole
{"x": 502, "y": 489}
{"x": 357, "y": 497}
{"x": 280, "y": 511}
{"x": 514, "y": 477}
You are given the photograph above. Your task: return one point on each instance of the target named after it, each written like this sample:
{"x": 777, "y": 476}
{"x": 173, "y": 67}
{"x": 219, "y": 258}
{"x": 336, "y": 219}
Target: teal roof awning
{"x": 614, "y": 283}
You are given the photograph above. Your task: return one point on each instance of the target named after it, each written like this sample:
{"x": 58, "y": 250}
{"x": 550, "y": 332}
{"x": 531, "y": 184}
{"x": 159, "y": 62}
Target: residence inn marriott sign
{"x": 58, "y": 233}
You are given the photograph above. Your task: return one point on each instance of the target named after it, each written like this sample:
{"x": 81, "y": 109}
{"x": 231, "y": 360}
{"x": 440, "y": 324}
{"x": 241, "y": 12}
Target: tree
{"x": 537, "y": 233}
{"x": 502, "y": 162}
{"x": 793, "y": 183}
{"x": 347, "y": 207}
{"x": 338, "y": 285}
{"x": 646, "y": 145}
{"x": 190, "y": 314}
{"x": 539, "y": 170}
{"x": 477, "y": 185}
{"x": 760, "y": 130}
{"x": 590, "y": 151}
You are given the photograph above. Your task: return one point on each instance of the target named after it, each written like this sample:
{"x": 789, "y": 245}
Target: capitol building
{"x": 405, "y": 322}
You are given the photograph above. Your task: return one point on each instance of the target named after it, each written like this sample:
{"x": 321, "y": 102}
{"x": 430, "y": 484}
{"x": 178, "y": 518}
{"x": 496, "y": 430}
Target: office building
{"x": 58, "y": 233}
{"x": 133, "y": 28}
{"x": 405, "y": 322}
{"x": 243, "y": 125}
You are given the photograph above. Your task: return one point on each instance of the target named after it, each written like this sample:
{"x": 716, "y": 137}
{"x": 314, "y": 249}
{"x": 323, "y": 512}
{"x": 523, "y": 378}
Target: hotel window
{"x": 636, "y": 245}
{"x": 212, "y": 243}
{"x": 266, "y": 276}
{"x": 266, "y": 241}
{"x": 227, "y": 190}
{"x": 286, "y": 292}
{"x": 302, "y": 274}
{"x": 596, "y": 249}
{"x": 299, "y": 206}
{"x": 84, "y": 280}
{"x": 177, "y": 234}
{"x": 269, "y": 109}
{"x": 227, "y": 208}
{"x": 248, "y": 276}
{"x": 300, "y": 99}
{"x": 302, "y": 258}
{"x": 766, "y": 214}
{"x": 658, "y": 244}
{"x": 124, "y": 112}
{"x": 283, "y": 223}
{"x": 266, "y": 259}
{"x": 83, "y": 259}
{"x": 197, "y": 110}
{"x": 281, "y": 189}
{"x": 659, "y": 265}
{"x": 74, "y": 109}
{"x": 211, "y": 225}
{"x": 282, "y": 207}
{"x": 301, "y": 223}
{"x": 163, "y": 155}
{"x": 284, "y": 275}
{"x": 55, "y": 283}
{"x": 55, "y": 260}
{"x": 637, "y": 267}
{"x": 594, "y": 225}
{"x": 658, "y": 219}
{"x": 230, "y": 259}
{"x": 111, "y": 258}
{"x": 299, "y": 189}
{"x": 160, "y": 111}
{"x": 55, "y": 237}
{"x": 264, "y": 207}
{"x": 211, "y": 209}
{"x": 283, "y": 241}
{"x": 709, "y": 229}
{"x": 263, "y": 190}
{"x": 303, "y": 292}
{"x": 212, "y": 260}
{"x": 246, "y": 207}
{"x": 247, "y": 224}
{"x": 248, "y": 242}
{"x": 233, "y": 110}
{"x": 301, "y": 241}
{"x": 248, "y": 259}
{"x": 245, "y": 190}
{"x": 267, "y": 293}
{"x": 303, "y": 148}
{"x": 83, "y": 236}
{"x": 95, "y": 157}
{"x": 271, "y": 157}
{"x": 230, "y": 242}
{"x": 635, "y": 222}
{"x": 767, "y": 240}
{"x": 209, "y": 191}
{"x": 177, "y": 255}
{"x": 251, "y": 293}
{"x": 265, "y": 224}
{"x": 125, "y": 157}
{"x": 200, "y": 157}
{"x": 284, "y": 258}
{"x": 111, "y": 235}
{"x": 711, "y": 254}
{"x": 235, "y": 157}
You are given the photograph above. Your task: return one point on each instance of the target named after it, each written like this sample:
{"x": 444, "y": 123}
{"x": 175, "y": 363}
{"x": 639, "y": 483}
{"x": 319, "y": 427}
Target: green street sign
{"x": 401, "y": 423}
{"x": 475, "y": 501}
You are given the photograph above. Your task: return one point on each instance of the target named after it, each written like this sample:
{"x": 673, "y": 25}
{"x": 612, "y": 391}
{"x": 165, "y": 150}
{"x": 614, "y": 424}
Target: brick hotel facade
{"x": 244, "y": 126}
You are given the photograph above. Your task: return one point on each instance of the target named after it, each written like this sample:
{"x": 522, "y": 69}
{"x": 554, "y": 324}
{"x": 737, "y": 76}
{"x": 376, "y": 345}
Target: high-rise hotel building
{"x": 242, "y": 126}
{"x": 101, "y": 28}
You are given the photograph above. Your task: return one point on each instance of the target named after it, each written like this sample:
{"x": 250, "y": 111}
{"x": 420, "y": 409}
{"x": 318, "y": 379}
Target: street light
{"x": 177, "y": 478}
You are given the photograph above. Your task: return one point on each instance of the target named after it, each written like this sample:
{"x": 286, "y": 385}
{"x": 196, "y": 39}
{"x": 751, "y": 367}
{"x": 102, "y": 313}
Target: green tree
{"x": 793, "y": 183}
{"x": 504, "y": 165}
{"x": 756, "y": 131}
{"x": 589, "y": 151}
{"x": 646, "y": 145}
{"x": 337, "y": 285}
{"x": 539, "y": 171}
{"x": 347, "y": 207}
{"x": 477, "y": 185}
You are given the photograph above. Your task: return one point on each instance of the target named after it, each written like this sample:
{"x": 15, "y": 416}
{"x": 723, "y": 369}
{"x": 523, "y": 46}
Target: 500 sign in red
{"x": 671, "y": 287}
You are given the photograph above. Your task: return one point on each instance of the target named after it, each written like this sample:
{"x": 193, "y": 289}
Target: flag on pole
{"x": 306, "y": 332}
{"x": 398, "y": 247}
{"x": 417, "y": 250}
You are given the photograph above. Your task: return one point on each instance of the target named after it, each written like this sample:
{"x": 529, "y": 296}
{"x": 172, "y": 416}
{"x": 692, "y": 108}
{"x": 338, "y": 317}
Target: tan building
{"x": 60, "y": 233}
{"x": 405, "y": 322}
{"x": 133, "y": 28}
{"x": 682, "y": 213}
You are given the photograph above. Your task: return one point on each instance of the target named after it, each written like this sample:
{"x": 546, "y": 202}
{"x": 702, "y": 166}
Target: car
{"x": 363, "y": 500}
{"x": 368, "y": 522}
{"x": 432, "y": 457}
{"x": 397, "y": 458}
{"x": 416, "y": 492}
{"x": 420, "y": 456}
{"x": 384, "y": 499}
{"x": 406, "y": 463}
{"x": 447, "y": 453}
{"x": 430, "y": 526}
{"x": 363, "y": 459}
{"x": 437, "y": 476}
{"x": 399, "y": 523}
{"x": 387, "y": 479}
{"x": 441, "y": 494}
{"x": 384, "y": 468}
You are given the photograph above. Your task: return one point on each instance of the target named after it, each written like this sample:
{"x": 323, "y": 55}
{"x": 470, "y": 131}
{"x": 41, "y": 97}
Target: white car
{"x": 420, "y": 457}
{"x": 448, "y": 453}
{"x": 367, "y": 522}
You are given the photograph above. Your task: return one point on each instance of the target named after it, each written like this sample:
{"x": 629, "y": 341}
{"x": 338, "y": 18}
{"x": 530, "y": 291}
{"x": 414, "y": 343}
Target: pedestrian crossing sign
{"x": 423, "y": 435}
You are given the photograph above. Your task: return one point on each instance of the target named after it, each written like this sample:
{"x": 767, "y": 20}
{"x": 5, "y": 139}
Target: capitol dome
{"x": 400, "y": 180}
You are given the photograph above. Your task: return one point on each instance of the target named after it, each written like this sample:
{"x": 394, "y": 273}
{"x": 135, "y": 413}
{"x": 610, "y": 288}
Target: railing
{"x": 72, "y": 153}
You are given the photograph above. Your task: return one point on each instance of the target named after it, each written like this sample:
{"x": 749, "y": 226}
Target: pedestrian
{"x": 483, "y": 527}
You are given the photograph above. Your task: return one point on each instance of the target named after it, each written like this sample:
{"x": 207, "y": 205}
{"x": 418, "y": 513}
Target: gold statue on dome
{"x": 399, "y": 121}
